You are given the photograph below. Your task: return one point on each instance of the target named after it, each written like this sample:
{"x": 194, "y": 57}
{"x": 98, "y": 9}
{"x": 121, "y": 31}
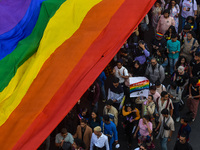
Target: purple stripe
{"x": 11, "y": 13}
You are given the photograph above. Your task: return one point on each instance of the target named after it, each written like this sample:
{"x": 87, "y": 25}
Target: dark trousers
{"x": 97, "y": 148}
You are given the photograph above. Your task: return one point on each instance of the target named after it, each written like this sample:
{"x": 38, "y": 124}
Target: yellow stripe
{"x": 62, "y": 26}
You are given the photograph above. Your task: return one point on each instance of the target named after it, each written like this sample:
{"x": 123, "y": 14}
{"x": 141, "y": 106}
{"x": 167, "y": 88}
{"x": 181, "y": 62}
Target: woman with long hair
{"x": 94, "y": 120}
{"x": 171, "y": 30}
{"x": 182, "y": 61}
{"x": 174, "y": 12}
{"x": 131, "y": 116}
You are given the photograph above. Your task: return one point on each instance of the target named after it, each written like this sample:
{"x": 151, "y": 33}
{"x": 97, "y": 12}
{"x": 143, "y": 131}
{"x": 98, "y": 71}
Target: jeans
{"x": 111, "y": 141}
{"x": 165, "y": 63}
{"x": 183, "y": 22}
{"x": 172, "y": 63}
{"x": 103, "y": 92}
{"x": 163, "y": 143}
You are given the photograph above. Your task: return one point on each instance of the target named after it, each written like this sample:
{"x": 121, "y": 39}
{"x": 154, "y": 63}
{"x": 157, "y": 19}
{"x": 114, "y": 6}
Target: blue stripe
{"x": 10, "y": 39}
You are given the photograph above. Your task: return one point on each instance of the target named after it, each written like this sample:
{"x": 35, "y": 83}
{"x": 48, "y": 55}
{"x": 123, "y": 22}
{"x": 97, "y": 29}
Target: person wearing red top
{"x": 184, "y": 128}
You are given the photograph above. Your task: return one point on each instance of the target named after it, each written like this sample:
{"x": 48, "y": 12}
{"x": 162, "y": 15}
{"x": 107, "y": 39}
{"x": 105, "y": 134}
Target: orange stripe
{"x": 86, "y": 71}
{"x": 47, "y": 83}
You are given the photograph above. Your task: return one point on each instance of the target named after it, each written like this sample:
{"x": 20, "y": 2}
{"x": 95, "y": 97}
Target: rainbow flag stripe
{"x": 139, "y": 86}
{"x": 54, "y": 58}
{"x": 159, "y": 34}
{"x": 198, "y": 83}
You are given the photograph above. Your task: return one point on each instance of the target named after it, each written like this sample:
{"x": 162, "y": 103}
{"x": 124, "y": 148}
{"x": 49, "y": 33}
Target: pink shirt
{"x": 143, "y": 128}
{"x": 155, "y": 96}
{"x": 164, "y": 24}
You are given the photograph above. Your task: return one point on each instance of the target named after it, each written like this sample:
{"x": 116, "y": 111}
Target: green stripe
{"x": 28, "y": 46}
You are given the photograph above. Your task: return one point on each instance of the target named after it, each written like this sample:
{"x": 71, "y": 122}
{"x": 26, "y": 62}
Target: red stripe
{"x": 93, "y": 62}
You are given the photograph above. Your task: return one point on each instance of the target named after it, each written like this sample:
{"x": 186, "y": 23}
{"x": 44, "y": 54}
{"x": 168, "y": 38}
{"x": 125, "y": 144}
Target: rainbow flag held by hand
{"x": 51, "y": 51}
{"x": 139, "y": 86}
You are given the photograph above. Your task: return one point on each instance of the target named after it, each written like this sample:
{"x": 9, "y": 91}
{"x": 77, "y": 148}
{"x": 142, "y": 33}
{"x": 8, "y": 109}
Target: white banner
{"x": 139, "y": 86}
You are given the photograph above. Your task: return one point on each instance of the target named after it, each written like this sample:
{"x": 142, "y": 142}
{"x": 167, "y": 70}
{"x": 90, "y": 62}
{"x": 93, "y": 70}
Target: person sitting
{"x": 182, "y": 144}
{"x": 64, "y": 139}
{"x": 111, "y": 111}
{"x": 99, "y": 141}
{"x": 144, "y": 130}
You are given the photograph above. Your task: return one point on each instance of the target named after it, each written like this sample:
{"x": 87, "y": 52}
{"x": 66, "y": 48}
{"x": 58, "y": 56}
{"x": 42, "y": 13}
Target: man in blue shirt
{"x": 173, "y": 50}
{"x": 109, "y": 129}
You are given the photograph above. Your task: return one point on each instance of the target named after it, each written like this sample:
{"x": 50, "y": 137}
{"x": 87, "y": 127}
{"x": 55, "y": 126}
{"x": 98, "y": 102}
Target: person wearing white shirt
{"x": 120, "y": 72}
{"x": 99, "y": 141}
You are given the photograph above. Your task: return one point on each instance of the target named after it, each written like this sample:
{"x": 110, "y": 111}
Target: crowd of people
{"x": 170, "y": 61}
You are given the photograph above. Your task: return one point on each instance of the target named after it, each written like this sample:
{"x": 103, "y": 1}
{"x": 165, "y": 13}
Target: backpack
{"x": 193, "y": 44}
{"x": 158, "y": 68}
{"x": 158, "y": 105}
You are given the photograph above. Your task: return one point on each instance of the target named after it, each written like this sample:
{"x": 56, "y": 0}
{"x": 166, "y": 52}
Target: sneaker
{"x": 178, "y": 119}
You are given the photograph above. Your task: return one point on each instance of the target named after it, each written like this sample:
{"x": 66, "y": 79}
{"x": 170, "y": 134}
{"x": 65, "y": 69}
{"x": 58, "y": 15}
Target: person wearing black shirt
{"x": 195, "y": 66}
{"x": 158, "y": 42}
{"x": 194, "y": 96}
{"x": 181, "y": 78}
{"x": 161, "y": 57}
{"x": 182, "y": 144}
{"x": 138, "y": 69}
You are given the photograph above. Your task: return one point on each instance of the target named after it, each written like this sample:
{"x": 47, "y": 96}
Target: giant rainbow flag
{"x": 50, "y": 53}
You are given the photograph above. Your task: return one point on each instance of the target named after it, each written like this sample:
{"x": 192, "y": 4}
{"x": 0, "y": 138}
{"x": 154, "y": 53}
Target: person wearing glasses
{"x": 155, "y": 72}
{"x": 64, "y": 139}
